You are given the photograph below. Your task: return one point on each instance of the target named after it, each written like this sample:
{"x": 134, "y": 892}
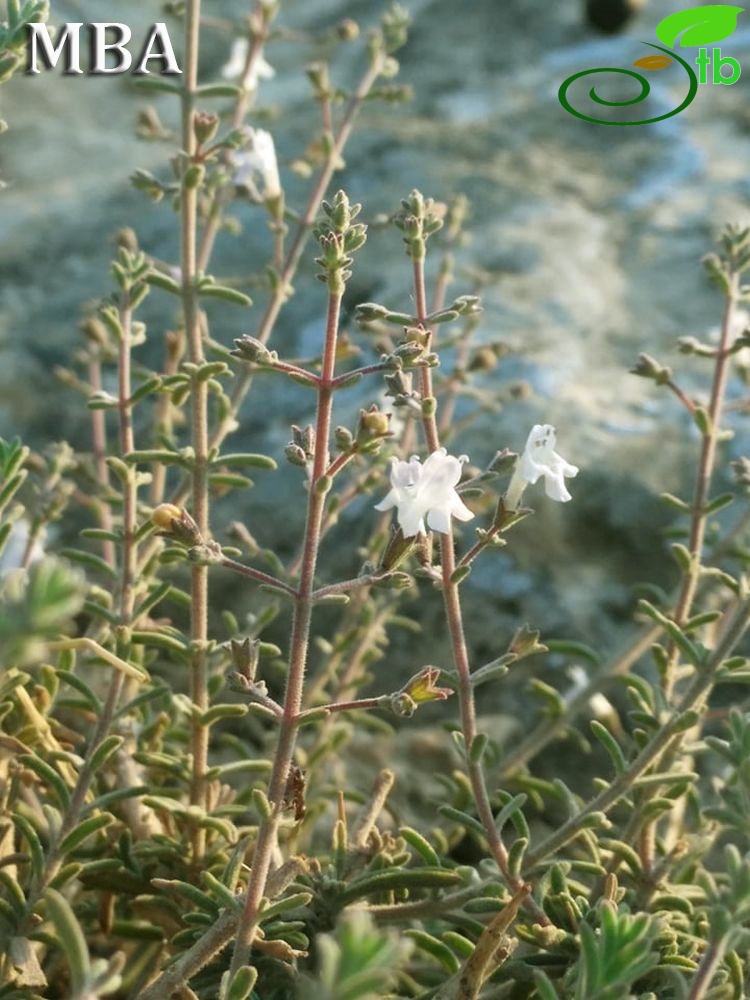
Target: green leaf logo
{"x": 699, "y": 25}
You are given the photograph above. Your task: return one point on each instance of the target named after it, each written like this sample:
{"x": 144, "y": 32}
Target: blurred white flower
{"x": 426, "y": 491}
{"x": 258, "y": 163}
{"x": 235, "y": 68}
{"x": 539, "y": 459}
{"x": 13, "y": 554}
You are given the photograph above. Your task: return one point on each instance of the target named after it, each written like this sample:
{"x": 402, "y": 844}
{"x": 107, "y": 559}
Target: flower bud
{"x": 177, "y": 523}
{"x": 205, "y": 126}
{"x": 251, "y": 349}
{"x": 373, "y": 423}
{"x": 370, "y": 312}
{"x": 344, "y": 438}
{"x": 347, "y": 30}
{"x": 648, "y": 367}
{"x": 295, "y": 455}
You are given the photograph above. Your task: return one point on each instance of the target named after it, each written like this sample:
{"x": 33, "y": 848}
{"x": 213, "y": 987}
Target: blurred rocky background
{"x": 591, "y": 239}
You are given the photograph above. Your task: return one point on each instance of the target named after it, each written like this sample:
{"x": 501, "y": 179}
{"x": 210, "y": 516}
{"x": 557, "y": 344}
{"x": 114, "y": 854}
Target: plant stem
{"x": 127, "y": 581}
{"x": 452, "y": 603}
{"x": 199, "y": 425}
{"x": 297, "y": 247}
{"x": 347, "y": 586}
{"x": 706, "y": 971}
{"x": 99, "y": 444}
{"x": 256, "y": 574}
{"x": 242, "y": 105}
{"x": 304, "y": 602}
{"x": 379, "y": 701}
{"x": 703, "y": 480}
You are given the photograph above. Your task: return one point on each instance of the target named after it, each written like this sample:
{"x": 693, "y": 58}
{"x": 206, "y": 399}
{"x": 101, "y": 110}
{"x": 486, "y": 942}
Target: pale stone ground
{"x": 595, "y": 236}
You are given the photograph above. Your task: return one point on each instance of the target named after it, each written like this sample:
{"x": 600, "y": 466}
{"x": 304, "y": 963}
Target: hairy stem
{"x": 706, "y": 465}
{"x": 303, "y": 607}
{"x": 99, "y": 444}
{"x": 706, "y": 971}
{"x": 452, "y": 603}
{"x": 199, "y": 426}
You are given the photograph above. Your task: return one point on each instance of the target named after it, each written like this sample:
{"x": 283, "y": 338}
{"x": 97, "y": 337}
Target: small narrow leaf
{"x": 71, "y": 940}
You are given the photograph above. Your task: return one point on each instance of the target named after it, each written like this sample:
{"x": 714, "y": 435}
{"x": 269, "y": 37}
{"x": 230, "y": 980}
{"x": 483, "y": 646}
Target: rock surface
{"x": 593, "y": 235}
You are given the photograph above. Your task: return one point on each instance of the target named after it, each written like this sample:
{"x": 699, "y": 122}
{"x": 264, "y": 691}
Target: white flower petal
{"x": 460, "y": 511}
{"x": 555, "y": 488}
{"x": 388, "y": 501}
{"x": 237, "y": 57}
{"x": 439, "y": 520}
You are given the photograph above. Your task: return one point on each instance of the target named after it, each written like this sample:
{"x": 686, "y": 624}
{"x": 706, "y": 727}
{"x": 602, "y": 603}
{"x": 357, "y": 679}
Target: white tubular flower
{"x": 235, "y": 68}
{"x": 539, "y": 458}
{"x": 426, "y": 491}
{"x": 259, "y": 162}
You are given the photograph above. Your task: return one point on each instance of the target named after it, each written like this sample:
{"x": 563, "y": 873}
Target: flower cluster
{"x": 427, "y": 492}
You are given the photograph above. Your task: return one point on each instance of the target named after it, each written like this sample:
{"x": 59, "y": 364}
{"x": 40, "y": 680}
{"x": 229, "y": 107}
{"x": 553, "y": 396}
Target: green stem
{"x": 199, "y": 428}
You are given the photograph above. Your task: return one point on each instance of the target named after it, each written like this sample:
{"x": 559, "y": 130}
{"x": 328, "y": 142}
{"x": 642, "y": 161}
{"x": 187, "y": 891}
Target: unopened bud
{"x": 370, "y": 312}
{"x": 252, "y": 349}
{"x": 205, "y": 126}
{"x": 373, "y": 423}
{"x": 648, "y": 367}
{"x": 295, "y": 454}
{"x": 347, "y": 30}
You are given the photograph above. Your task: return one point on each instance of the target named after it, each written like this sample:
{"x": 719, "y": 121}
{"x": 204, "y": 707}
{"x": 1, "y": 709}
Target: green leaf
{"x": 86, "y": 829}
{"x": 293, "y": 902}
{"x": 703, "y": 25}
{"x": 544, "y": 988}
{"x": 399, "y": 878}
{"x": 240, "y": 460}
{"x": 219, "y": 90}
{"x": 228, "y": 294}
{"x": 610, "y": 744}
{"x": 50, "y": 776}
{"x": 241, "y": 984}
{"x": 29, "y": 834}
{"x": 154, "y": 84}
{"x": 439, "y": 951}
{"x": 509, "y": 810}
{"x": 421, "y": 845}
{"x": 71, "y": 940}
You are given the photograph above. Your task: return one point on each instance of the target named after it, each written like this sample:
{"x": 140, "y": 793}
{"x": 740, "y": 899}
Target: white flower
{"x": 426, "y": 491}
{"x": 235, "y": 68}
{"x": 259, "y": 162}
{"x": 539, "y": 458}
{"x": 15, "y": 551}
